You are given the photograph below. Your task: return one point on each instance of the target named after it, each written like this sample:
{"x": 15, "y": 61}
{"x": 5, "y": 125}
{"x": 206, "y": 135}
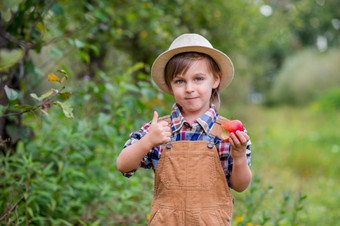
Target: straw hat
{"x": 192, "y": 43}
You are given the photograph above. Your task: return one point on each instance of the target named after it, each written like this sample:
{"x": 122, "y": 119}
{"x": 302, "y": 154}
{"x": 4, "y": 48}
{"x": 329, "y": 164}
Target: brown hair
{"x": 180, "y": 63}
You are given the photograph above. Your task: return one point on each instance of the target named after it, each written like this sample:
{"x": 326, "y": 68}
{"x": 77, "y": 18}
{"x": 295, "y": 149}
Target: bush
{"x": 66, "y": 175}
{"x": 252, "y": 209}
{"x": 305, "y": 76}
{"x": 330, "y": 99}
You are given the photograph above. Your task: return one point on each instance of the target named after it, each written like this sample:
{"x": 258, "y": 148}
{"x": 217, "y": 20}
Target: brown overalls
{"x": 190, "y": 185}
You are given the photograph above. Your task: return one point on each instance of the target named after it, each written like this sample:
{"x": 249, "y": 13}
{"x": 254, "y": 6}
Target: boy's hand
{"x": 159, "y": 132}
{"x": 238, "y": 144}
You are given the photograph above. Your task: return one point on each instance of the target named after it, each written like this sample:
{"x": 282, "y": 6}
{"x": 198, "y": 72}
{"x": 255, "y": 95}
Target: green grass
{"x": 296, "y": 150}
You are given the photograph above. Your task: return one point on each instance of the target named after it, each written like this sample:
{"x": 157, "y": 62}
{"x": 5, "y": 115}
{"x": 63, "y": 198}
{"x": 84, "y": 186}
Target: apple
{"x": 230, "y": 126}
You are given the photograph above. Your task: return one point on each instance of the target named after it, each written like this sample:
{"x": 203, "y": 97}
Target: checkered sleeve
{"x": 133, "y": 138}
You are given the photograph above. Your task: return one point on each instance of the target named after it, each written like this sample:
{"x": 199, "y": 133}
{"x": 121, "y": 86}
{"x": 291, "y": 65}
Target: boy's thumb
{"x": 155, "y": 117}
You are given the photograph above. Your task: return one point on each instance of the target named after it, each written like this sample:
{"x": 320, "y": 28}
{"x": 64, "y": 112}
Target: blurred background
{"x": 75, "y": 81}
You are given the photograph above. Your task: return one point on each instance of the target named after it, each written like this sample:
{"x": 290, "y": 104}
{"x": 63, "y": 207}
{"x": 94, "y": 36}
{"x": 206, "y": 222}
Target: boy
{"x": 193, "y": 166}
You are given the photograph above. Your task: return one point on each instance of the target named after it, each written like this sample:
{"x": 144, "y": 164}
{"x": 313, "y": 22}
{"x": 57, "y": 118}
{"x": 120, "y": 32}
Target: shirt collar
{"x": 206, "y": 121}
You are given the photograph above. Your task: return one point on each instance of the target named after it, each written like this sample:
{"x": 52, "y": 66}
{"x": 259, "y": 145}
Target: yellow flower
{"x": 148, "y": 216}
{"x": 249, "y": 224}
{"x": 53, "y": 78}
{"x": 239, "y": 219}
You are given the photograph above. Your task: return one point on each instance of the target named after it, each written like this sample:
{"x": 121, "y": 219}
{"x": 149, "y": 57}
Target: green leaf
{"x": 47, "y": 170}
{"x": 65, "y": 222}
{"x": 66, "y": 107}
{"x": 49, "y": 93}
{"x": 65, "y": 75}
{"x": 66, "y": 70}
{"x": 2, "y": 109}
{"x": 6, "y": 14}
{"x": 84, "y": 56}
{"x": 303, "y": 197}
{"x": 95, "y": 49}
{"x": 79, "y": 44}
{"x": 25, "y": 107}
{"x": 57, "y": 9}
{"x": 63, "y": 72}
{"x": 299, "y": 208}
{"x": 97, "y": 222}
{"x": 20, "y": 147}
{"x": 30, "y": 212}
{"x": 10, "y": 57}
{"x": 7, "y": 4}
{"x": 14, "y": 132}
{"x": 60, "y": 166}
{"x": 135, "y": 67}
{"x": 56, "y": 53}
{"x": 65, "y": 95}
{"x": 35, "y": 96}
{"x": 132, "y": 88}
{"x": 12, "y": 94}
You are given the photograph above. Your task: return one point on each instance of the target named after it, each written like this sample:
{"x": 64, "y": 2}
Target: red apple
{"x": 230, "y": 126}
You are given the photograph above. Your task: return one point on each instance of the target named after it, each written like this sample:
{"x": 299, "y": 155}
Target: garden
{"x": 75, "y": 82}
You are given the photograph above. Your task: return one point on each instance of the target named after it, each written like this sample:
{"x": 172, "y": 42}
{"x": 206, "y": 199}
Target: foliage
{"x": 252, "y": 212}
{"x": 311, "y": 20}
{"x": 330, "y": 100}
{"x": 10, "y": 58}
{"x": 306, "y": 76}
{"x": 72, "y": 181}
{"x": 94, "y": 37}
{"x": 67, "y": 175}
{"x": 44, "y": 101}
{"x": 296, "y": 150}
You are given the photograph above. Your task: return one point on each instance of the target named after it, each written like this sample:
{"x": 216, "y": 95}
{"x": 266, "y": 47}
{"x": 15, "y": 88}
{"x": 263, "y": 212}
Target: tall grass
{"x": 296, "y": 151}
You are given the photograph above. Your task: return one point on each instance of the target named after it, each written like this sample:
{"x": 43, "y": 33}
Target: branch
{"x": 30, "y": 45}
{"x": 35, "y": 107}
{"x": 11, "y": 209}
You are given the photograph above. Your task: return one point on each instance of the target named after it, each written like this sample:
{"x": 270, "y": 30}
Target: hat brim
{"x": 222, "y": 60}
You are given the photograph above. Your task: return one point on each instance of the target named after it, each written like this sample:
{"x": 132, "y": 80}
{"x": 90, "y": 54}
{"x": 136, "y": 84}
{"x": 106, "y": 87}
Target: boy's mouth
{"x": 191, "y": 98}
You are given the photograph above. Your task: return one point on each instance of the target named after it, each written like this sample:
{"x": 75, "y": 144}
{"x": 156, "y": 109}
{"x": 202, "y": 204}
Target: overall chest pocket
{"x": 194, "y": 170}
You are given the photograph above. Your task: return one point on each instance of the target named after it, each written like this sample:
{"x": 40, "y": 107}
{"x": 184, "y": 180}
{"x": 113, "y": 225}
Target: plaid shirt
{"x": 182, "y": 130}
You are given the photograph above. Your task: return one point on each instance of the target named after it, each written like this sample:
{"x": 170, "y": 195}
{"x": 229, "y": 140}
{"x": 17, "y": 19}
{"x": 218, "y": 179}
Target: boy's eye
{"x": 199, "y": 79}
{"x": 179, "y": 81}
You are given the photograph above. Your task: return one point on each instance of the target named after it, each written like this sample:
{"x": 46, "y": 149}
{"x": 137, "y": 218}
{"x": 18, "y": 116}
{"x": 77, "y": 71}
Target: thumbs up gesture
{"x": 159, "y": 132}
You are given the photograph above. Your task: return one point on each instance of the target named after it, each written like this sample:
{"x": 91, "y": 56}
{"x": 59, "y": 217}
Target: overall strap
{"x": 216, "y": 130}
{"x": 165, "y": 118}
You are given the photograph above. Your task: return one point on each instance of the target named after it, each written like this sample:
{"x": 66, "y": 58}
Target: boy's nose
{"x": 189, "y": 87}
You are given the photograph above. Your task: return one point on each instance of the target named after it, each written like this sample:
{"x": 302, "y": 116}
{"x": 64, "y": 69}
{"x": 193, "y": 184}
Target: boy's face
{"x": 192, "y": 89}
